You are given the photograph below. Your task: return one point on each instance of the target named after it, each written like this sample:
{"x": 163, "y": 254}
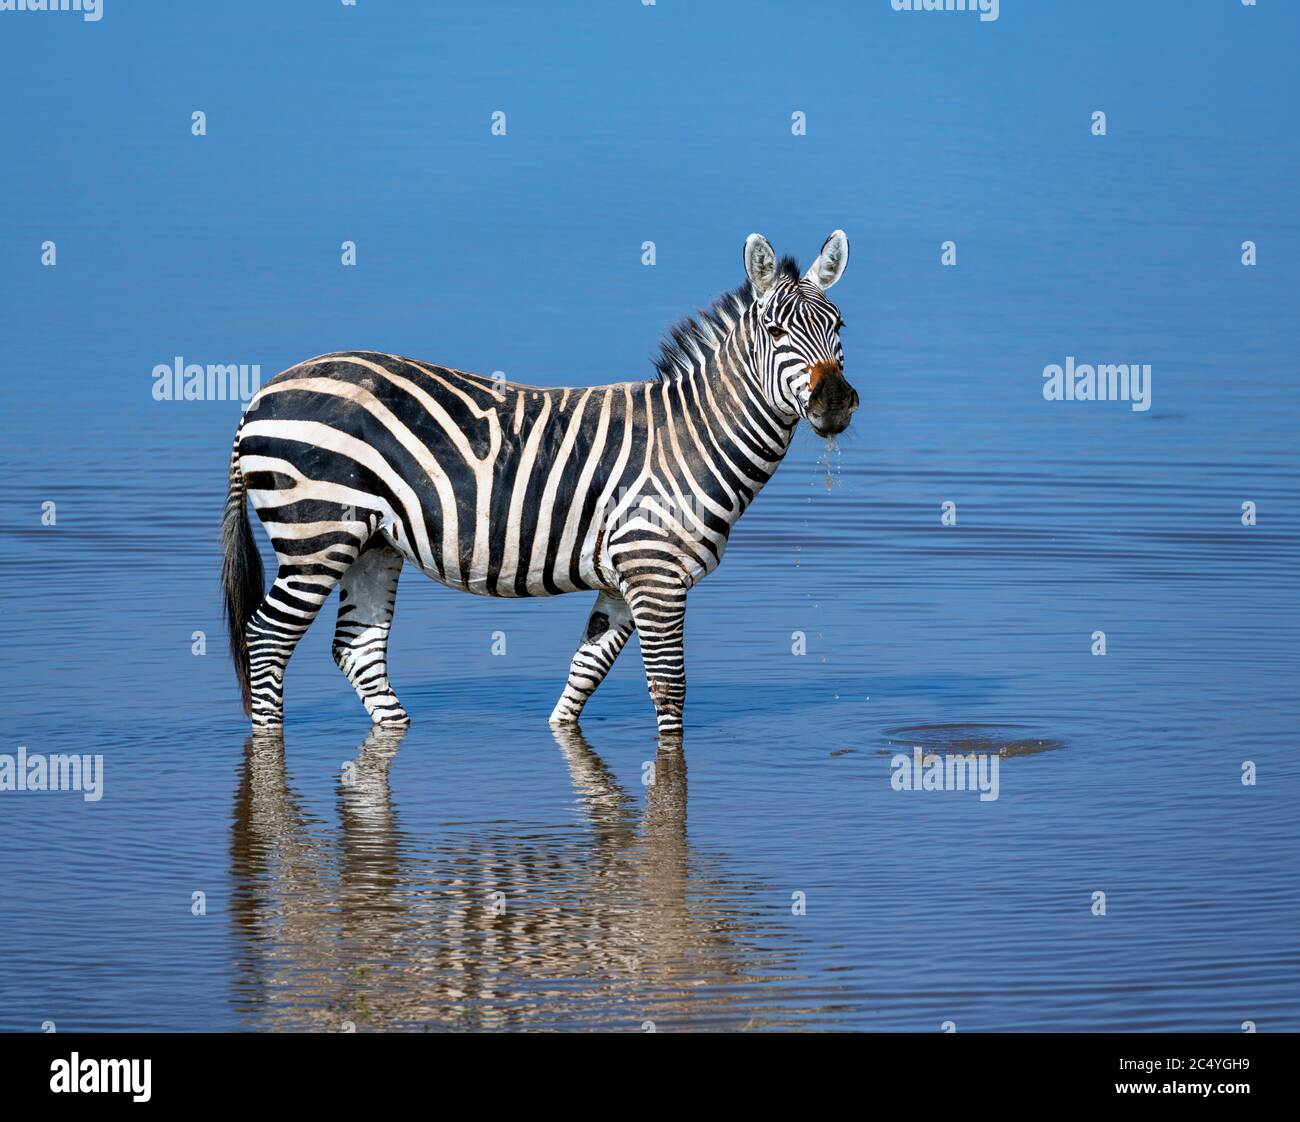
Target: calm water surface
{"x": 483, "y": 872}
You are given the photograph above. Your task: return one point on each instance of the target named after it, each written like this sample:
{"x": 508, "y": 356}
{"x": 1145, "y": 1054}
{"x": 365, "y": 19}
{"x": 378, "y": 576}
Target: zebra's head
{"x": 797, "y": 341}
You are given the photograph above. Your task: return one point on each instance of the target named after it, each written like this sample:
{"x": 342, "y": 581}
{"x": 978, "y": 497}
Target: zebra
{"x": 358, "y": 462}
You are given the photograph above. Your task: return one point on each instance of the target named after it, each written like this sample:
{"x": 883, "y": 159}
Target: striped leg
{"x": 607, "y": 631}
{"x": 287, "y": 611}
{"x": 367, "y": 594}
{"x": 658, "y": 605}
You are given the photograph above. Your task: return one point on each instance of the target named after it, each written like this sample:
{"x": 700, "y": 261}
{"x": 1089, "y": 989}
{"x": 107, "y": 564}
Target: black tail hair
{"x": 241, "y": 578}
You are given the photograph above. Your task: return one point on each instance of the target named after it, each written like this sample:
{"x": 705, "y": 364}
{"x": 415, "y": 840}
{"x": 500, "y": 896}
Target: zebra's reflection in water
{"x": 614, "y": 924}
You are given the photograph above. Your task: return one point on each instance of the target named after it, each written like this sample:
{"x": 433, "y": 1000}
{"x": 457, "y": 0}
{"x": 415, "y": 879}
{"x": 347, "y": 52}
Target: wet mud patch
{"x": 965, "y": 738}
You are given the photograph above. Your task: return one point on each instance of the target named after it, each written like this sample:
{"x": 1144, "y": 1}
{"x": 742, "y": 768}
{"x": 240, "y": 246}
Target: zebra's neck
{"x": 718, "y": 401}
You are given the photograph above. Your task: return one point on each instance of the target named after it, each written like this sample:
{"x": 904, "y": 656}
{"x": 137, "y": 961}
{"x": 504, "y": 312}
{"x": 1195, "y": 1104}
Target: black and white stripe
{"x": 360, "y": 462}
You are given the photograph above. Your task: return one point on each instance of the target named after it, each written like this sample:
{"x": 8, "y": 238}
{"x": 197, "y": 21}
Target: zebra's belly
{"x": 484, "y": 580}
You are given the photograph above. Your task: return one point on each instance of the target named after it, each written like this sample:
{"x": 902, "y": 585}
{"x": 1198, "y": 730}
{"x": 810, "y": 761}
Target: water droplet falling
{"x": 831, "y": 461}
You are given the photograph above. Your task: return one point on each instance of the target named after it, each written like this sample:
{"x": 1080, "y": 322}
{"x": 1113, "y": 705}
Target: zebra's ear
{"x": 760, "y": 264}
{"x": 830, "y": 263}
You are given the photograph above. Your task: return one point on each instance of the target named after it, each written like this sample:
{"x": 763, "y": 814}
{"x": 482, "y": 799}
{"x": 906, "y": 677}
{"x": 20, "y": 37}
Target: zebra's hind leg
{"x": 367, "y": 594}
{"x": 608, "y": 629}
{"x": 286, "y": 612}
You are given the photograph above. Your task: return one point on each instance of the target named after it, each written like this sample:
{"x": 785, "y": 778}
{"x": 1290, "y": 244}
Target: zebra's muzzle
{"x": 831, "y": 401}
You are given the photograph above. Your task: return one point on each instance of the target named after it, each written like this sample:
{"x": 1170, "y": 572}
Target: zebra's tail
{"x": 241, "y": 575}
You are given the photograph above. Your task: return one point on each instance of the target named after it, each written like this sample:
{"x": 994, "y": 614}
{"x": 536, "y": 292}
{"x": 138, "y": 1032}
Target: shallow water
{"x": 483, "y": 872}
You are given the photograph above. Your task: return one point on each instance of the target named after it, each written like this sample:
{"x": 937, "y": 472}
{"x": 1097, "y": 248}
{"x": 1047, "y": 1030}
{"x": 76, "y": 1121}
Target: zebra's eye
{"x": 776, "y": 331}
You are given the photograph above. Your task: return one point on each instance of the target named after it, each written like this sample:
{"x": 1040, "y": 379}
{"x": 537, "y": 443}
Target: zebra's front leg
{"x": 367, "y": 595}
{"x": 658, "y": 608}
{"x": 608, "y": 629}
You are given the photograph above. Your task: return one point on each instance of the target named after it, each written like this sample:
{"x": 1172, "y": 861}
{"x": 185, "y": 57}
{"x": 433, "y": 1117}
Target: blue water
{"x": 369, "y": 898}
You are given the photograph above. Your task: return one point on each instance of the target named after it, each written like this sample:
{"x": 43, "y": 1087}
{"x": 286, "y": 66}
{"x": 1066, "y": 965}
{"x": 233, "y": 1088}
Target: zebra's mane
{"x": 683, "y": 348}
